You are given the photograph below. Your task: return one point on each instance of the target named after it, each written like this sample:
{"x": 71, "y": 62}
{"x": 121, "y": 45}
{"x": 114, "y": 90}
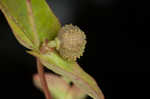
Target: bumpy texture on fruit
{"x": 72, "y": 42}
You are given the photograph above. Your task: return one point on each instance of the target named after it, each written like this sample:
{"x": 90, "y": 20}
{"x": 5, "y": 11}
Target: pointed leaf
{"x": 34, "y": 20}
{"x": 72, "y": 71}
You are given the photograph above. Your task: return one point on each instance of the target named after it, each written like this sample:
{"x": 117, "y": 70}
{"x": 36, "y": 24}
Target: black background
{"x": 117, "y": 53}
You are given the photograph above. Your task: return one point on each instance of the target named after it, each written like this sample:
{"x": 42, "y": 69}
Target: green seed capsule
{"x": 71, "y": 42}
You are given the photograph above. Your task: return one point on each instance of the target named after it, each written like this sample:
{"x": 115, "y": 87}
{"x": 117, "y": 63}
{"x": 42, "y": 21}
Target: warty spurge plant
{"x": 57, "y": 48}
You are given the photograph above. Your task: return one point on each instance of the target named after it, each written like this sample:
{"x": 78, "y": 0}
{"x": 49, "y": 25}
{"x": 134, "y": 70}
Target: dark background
{"x": 117, "y": 53}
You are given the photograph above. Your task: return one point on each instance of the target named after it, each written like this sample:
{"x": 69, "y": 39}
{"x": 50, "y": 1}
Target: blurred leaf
{"x": 72, "y": 71}
{"x": 59, "y": 88}
{"x": 32, "y": 21}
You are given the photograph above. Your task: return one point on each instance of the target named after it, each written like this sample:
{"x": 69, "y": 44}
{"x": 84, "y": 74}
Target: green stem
{"x": 54, "y": 43}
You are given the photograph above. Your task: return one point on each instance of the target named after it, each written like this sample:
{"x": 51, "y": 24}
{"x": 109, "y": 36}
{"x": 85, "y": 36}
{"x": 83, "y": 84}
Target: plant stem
{"x": 43, "y": 80}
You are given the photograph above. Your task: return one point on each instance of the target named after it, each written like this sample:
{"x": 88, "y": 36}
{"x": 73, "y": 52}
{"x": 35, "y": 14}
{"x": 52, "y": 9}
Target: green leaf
{"x": 32, "y": 21}
{"x": 60, "y": 88}
{"x": 71, "y": 71}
